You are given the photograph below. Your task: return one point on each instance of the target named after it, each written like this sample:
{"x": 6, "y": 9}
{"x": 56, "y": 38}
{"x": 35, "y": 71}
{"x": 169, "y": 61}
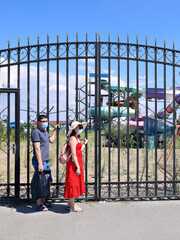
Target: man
{"x": 40, "y": 161}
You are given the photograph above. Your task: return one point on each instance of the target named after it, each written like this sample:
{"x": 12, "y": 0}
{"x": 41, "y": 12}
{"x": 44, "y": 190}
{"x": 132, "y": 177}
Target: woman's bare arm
{"x": 73, "y": 143}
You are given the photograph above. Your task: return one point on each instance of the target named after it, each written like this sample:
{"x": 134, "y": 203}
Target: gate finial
{"x": 57, "y": 35}
{"x": 173, "y": 43}
{"x": 47, "y": 36}
{"x": 18, "y": 39}
{"x": 118, "y": 35}
{"x": 86, "y": 34}
{"x": 155, "y": 39}
{"x": 137, "y": 37}
{"x": 164, "y": 40}
{"x": 127, "y": 36}
{"x": 146, "y": 38}
{"x": 8, "y": 41}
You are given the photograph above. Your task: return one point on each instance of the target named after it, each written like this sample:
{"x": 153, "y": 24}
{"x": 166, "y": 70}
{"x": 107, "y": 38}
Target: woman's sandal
{"x": 76, "y": 209}
{"x": 42, "y": 208}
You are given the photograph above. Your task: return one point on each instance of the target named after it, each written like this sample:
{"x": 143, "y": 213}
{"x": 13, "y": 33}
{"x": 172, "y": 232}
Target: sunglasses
{"x": 80, "y": 127}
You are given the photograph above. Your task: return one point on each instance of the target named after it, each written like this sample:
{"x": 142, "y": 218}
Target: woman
{"x": 74, "y": 186}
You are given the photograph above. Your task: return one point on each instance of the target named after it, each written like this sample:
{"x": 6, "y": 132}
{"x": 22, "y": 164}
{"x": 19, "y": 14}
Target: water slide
{"x": 123, "y": 103}
{"x": 169, "y": 108}
{"x": 160, "y": 96}
{"x": 114, "y": 105}
{"x": 132, "y": 123}
{"x": 113, "y": 112}
{"x": 114, "y": 88}
{"x": 160, "y": 93}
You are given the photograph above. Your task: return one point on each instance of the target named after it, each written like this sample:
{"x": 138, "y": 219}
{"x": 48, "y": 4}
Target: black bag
{"x": 40, "y": 185}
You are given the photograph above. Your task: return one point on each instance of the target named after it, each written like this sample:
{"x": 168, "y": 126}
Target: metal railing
{"x": 53, "y": 78}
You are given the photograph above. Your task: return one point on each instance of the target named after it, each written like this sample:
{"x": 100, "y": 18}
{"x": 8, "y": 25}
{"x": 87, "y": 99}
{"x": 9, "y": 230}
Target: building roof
{"x": 54, "y": 122}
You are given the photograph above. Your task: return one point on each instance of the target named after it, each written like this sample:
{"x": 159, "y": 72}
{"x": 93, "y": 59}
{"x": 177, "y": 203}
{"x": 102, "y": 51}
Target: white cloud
{"x": 89, "y": 61}
{"x": 142, "y": 77}
{"x": 106, "y": 71}
{"x": 62, "y": 85}
{"x": 81, "y": 67}
{"x": 54, "y": 87}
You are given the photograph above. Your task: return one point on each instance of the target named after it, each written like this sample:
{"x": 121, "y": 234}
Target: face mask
{"x": 44, "y": 125}
{"x": 79, "y": 132}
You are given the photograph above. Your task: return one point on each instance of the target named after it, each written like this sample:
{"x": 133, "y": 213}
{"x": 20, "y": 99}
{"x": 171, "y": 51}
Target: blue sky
{"x": 31, "y": 18}
{"x": 152, "y": 18}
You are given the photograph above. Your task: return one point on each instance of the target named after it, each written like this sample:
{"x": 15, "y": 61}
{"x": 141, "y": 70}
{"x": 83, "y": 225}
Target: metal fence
{"x": 126, "y": 158}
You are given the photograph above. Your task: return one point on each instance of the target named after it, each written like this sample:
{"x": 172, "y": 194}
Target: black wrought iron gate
{"x": 10, "y": 146}
{"x": 113, "y": 86}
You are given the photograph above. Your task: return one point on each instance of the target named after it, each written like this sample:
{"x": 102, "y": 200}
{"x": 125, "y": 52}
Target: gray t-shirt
{"x": 43, "y": 137}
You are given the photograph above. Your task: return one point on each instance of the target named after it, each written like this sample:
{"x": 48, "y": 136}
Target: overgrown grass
{"x": 106, "y": 162}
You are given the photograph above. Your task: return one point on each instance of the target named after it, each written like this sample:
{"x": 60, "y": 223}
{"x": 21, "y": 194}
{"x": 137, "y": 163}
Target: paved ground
{"x": 102, "y": 220}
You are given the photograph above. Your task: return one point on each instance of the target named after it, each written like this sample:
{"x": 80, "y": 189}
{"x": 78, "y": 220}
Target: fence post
{"x": 97, "y": 122}
{"x": 17, "y": 143}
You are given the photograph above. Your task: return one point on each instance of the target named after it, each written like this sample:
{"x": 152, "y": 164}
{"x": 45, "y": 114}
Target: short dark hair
{"x": 41, "y": 116}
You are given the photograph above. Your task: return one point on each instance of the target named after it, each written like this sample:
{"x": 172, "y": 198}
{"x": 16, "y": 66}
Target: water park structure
{"x": 128, "y": 104}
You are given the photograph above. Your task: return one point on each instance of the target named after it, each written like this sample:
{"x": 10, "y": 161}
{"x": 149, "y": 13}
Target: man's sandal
{"x": 48, "y": 204}
{"x": 42, "y": 208}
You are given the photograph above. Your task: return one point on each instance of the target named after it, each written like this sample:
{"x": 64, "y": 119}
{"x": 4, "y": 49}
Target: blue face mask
{"x": 79, "y": 132}
{"x": 44, "y": 125}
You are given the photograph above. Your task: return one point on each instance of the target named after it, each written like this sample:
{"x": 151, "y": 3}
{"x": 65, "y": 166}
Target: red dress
{"x": 74, "y": 186}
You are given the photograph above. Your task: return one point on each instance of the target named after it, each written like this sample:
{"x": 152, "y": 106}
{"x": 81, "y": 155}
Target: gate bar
{"x": 17, "y": 142}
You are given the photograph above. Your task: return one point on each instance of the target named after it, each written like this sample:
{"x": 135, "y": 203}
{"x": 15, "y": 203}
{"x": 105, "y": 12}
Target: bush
{"x": 113, "y": 140}
{"x": 23, "y": 130}
{"x": 2, "y": 130}
{"x": 1, "y": 127}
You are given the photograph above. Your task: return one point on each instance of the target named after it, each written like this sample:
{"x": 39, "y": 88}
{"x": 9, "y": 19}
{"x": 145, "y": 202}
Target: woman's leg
{"x": 71, "y": 204}
{"x": 73, "y": 207}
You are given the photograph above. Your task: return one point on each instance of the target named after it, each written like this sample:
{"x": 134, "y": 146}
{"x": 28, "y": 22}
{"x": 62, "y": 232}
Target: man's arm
{"x": 53, "y": 136}
{"x": 38, "y": 156}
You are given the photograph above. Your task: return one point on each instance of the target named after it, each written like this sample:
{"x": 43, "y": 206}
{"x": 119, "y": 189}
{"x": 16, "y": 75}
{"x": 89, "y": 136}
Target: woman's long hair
{"x": 73, "y": 133}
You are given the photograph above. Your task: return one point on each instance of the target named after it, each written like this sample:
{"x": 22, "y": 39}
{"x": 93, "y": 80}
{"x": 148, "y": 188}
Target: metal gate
{"x": 10, "y": 144}
{"x": 128, "y": 93}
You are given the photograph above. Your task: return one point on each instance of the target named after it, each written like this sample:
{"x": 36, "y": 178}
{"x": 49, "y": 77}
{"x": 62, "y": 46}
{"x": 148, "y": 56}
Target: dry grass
{"x": 134, "y": 163}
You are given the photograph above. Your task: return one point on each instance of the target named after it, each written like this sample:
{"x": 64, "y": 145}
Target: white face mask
{"x": 79, "y": 132}
{"x": 44, "y": 125}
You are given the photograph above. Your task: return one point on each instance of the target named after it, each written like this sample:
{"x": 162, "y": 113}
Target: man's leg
{"x": 39, "y": 202}
{"x": 46, "y": 166}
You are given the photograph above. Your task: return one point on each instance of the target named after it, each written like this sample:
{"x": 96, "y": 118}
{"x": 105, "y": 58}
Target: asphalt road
{"x": 153, "y": 220}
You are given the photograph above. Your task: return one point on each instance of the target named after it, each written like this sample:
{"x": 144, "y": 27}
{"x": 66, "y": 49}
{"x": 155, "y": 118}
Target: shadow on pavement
{"x": 59, "y": 208}
{"x": 29, "y": 208}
